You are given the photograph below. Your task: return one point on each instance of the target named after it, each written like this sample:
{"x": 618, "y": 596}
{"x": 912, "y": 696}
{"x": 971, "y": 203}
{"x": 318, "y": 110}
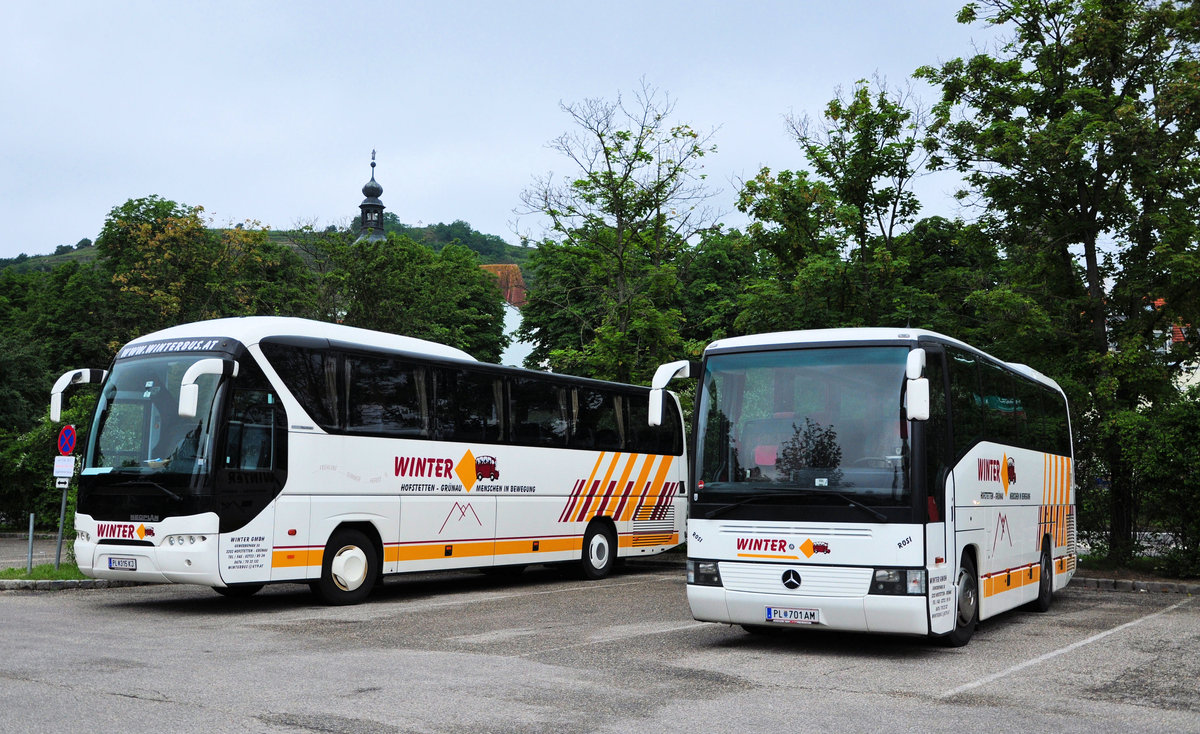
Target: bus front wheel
{"x": 349, "y": 568}
{"x": 599, "y": 551}
{"x": 967, "y": 609}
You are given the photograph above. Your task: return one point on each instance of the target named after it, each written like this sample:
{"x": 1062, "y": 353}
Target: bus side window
{"x": 596, "y": 424}
{"x": 1029, "y": 398}
{"x": 1003, "y": 413}
{"x": 386, "y": 396}
{"x": 467, "y": 405}
{"x": 966, "y": 402}
{"x": 256, "y": 431}
{"x": 539, "y": 412}
{"x": 647, "y": 439}
{"x": 937, "y": 438}
{"x": 310, "y": 375}
{"x": 1058, "y": 434}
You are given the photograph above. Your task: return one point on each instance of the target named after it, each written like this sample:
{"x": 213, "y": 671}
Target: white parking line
{"x": 1055, "y": 653}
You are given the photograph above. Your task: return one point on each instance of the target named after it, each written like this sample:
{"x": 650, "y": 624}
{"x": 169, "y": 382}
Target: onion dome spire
{"x": 371, "y": 223}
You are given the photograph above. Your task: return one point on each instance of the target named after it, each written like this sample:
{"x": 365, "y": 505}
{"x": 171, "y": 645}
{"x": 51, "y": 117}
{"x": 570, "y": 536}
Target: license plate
{"x": 122, "y": 564}
{"x": 793, "y": 616}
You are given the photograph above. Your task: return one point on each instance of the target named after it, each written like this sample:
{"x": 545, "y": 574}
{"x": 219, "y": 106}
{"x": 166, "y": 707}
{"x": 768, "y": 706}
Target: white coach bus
{"x": 879, "y": 480}
{"x": 235, "y": 453}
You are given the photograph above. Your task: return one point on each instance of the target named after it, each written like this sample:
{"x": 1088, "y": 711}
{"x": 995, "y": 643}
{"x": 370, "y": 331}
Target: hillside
{"x": 492, "y": 250}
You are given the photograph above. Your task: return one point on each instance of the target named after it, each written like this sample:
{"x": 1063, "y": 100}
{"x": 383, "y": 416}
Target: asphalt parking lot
{"x": 461, "y": 652}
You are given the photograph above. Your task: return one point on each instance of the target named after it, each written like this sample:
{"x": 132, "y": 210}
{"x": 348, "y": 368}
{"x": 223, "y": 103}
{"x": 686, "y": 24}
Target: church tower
{"x": 371, "y": 223}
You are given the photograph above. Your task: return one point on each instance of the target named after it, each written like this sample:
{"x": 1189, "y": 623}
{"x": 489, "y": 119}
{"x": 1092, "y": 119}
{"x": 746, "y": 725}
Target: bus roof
{"x": 825, "y": 336}
{"x": 787, "y": 339}
{"x": 252, "y": 329}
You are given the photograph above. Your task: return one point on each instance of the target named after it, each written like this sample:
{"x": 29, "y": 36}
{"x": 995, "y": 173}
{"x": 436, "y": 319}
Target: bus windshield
{"x": 138, "y": 429}
{"x": 816, "y": 426}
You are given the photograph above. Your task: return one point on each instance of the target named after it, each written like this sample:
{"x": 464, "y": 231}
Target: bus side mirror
{"x": 74, "y": 377}
{"x": 189, "y": 391}
{"x": 916, "y": 401}
{"x": 664, "y": 374}
{"x": 915, "y": 366}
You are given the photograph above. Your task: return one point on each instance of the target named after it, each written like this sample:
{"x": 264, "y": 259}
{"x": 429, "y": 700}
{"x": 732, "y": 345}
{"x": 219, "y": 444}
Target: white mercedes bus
{"x": 879, "y": 480}
{"x": 235, "y": 453}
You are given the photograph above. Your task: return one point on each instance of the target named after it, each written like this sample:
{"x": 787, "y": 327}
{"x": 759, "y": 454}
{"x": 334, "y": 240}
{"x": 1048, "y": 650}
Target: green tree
{"x": 1081, "y": 132}
{"x": 169, "y": 267}
{"x": 840, "y": 235}
{"x": 402, "y": 287}
{"x": 605, "y": 298}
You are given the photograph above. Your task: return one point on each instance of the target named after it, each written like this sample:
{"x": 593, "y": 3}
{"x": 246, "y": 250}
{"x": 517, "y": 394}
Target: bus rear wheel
{"x": 599, "y": 551}
{"x": 967, "y": 609}
{"x": 349, "y": 568}
{"x": 1045, "y": 580}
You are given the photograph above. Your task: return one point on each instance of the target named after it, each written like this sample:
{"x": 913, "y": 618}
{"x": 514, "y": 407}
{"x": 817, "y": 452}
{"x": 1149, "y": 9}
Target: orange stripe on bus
{"x": 544, "y": 545}
{"x": 296, "y": 557}
{"x": 639, "y": 487}
{"x": 430, "y": 551}
{"x": 586, "y": 487}
{"x": 612, "y": 496}
{"x": 588, "y": 511}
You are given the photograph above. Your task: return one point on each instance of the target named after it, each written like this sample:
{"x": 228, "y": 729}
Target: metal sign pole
{"x": 62, "y": 517}
{"x": 29, "y": 564}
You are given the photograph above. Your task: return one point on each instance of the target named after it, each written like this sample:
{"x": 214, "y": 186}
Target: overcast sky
{"x": 269, "y": 111}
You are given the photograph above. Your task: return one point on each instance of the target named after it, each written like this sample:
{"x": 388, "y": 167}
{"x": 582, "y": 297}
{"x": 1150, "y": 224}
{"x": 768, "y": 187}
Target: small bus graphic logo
{"x": 485, "y": 468}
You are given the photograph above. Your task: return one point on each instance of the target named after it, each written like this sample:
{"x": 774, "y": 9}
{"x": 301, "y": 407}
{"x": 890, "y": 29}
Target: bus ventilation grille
{"x": 657, "y": 531}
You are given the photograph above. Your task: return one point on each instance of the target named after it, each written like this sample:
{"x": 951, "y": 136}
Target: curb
{"x": 64, "y": 585}
{"x": 1152, "y": 587}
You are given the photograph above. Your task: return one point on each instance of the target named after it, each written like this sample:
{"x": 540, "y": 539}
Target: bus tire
{"x": 599, "y": 550}
{"x": 349, "y": 568}
{"x": 966, "y": 614}
{"x": 238, "y": 591}
{"x": 1045, "y": 580}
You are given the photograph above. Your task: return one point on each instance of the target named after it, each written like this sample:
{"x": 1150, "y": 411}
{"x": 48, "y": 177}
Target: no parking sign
{"x": 66, "y": 440}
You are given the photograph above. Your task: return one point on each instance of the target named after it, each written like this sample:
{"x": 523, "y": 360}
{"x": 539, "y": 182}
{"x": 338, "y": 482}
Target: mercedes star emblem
{"x": 791, "y": 579}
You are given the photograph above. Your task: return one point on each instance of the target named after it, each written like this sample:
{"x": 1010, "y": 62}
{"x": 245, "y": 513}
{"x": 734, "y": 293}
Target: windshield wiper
{"x": 148, "y": 483}
{"x": 847, "y": 498}
{"x": 753, "y": 498}
{"x": 796, "y": 493}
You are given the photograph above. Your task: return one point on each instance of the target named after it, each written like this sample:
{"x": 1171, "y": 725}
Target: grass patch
{"x": 66, "y": 571}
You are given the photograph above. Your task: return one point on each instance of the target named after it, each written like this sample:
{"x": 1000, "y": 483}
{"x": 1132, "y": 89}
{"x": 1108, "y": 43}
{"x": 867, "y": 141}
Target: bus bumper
{"x": 148, "y": 553}
{"x": 901, "y": 615}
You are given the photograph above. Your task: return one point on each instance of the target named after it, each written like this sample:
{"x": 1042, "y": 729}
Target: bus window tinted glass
{"x": 966, "y": 404}
{"x": 469, "y": 405}
{"x": 1058, "y": 431}
{"x": 310, "y": 375}
{"x": 386, "y": 396}
{"x": 597, "y": 425}
{"x": 1003, "y": 413}
{"x": 539, "y": 412}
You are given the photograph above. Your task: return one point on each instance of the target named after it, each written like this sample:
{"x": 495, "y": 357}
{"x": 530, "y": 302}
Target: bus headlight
{"x": 899, "y": 581}
{"x": 703, "y": 573}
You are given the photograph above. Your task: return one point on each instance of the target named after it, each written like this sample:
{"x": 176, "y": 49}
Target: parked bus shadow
{"x": 398, "y": 588}
{"x": 834, "y": 643}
